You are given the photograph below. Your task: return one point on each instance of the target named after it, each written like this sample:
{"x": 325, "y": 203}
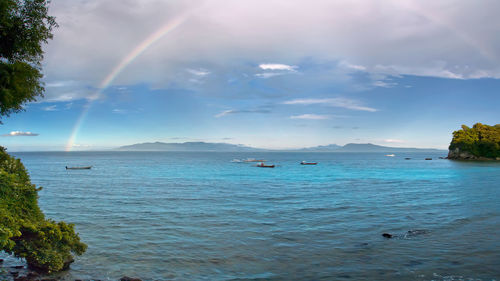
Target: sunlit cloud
{"x": 50, "y": 108}
{"x": 352, "y": 66}
{"x": 57, "y": 84}
{"x": 334, "y": 102}
{"x": 20, "y": 134}
{"x": 198, "y": 72}
{"x": 235, "y": 111}
{"x": 275, "y": 69}
{"x": 269, "y": 74}
{"x": 311, "y": 117}
{"x": 415, "y": 35}
{"x": 384, "y": 84}
{"x": 277, "y": 66}
{"x": 394, "y": 141}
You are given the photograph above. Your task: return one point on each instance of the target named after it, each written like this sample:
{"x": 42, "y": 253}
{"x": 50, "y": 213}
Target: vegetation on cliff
{"x": 24, "y": 231}
{"x": 45, "y": 244}
{"x": 479, "y": 141}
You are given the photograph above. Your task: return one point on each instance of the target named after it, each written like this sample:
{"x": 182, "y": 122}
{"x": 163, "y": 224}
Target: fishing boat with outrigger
{"x": 308, "y": 163}
{"x": 262, "y": 165}
{"x": 79, "y": 168}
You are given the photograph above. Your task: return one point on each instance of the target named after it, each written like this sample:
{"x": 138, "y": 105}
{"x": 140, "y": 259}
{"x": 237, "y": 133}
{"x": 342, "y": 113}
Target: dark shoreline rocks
{"x": 457, "y": 154}
{"x": 126, "y": 278}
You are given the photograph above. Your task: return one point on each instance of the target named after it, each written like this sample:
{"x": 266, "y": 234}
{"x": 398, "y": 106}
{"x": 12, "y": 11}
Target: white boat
{"x": 390, "y": 155}
{"x": 253, "y": 160}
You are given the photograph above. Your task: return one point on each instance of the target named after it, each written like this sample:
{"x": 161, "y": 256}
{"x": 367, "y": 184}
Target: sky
{"x": 269, "y": 74}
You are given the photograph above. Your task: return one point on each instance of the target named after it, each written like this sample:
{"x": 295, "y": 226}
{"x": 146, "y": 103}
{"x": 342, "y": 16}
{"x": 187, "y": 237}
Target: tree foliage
{"x": 480, "y": 140}
{"x": 24, "y": 26}
{"x": 24, "y": 232}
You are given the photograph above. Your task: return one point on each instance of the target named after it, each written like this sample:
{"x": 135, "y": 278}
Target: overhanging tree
{"x": 24, "y": 27}
{"x": 24, "y": 231}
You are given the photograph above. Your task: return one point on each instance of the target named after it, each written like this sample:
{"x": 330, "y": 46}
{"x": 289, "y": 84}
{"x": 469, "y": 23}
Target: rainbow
{"x": 128, "y": 59}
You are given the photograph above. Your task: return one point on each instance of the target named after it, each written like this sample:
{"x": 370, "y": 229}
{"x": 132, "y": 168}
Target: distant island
{"x": 226, "y": 147}
{"x": 188, "y": 146}
{"x": 481, "y": 142}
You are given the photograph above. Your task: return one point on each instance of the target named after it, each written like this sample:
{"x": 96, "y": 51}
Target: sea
{"x": 199, "y": 216}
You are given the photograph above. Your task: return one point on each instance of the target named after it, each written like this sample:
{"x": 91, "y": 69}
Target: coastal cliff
{"x": 481, "y": 142}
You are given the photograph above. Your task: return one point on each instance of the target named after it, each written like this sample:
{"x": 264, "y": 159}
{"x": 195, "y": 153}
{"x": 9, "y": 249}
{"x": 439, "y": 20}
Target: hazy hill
{"x": 368, "y": 147}
{"x": 226, "y": 147}
{"x": 187, "y": 146}
{"x": 321, "y": 148}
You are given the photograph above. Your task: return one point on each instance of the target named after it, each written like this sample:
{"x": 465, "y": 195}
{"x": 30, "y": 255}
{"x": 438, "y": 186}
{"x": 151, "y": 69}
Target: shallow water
{"x": 162, "y": 216}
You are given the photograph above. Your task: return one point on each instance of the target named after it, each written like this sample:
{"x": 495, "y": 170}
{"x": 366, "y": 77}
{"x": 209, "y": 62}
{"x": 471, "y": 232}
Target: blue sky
{"x": 270, "y": 74}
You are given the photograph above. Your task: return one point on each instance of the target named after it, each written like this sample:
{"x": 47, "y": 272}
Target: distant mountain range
{"x": 368, "y": 147}
{"x": 226, "y": 147}
{"x": 188, "y": 146}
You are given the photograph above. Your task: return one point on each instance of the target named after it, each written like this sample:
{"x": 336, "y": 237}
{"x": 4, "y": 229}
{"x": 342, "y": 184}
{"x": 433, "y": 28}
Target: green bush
{"x": 24, "y": 232}
{"x": 480, "y": 140}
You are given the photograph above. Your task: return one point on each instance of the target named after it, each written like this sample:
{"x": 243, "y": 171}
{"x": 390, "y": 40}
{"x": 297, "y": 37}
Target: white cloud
{"x": 352, "y": 66}
{"x": 266, "y": 75}
{"x": 275, "y": 69}
{"x": 50, "y": 108}
{"x": 198, "y": 72}
{"x": 334, "y": 102}
{"x": 238, "y": 111}
{"x": 311, "y": 117}
{"x": 277, "y": 66}
{"x": 384, "y": 84}
{"x": 119, "y": 111}
{"x": 394, "y": 141}
{"x": 224, "y": 113}
{"x": 427, "y": 37}
{"x": 57, "y": 84}
{"x": 20, "y": 133}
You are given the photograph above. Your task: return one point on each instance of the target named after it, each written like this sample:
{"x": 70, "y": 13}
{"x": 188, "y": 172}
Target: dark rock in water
{"x": 407, "y": 235}
{"x": 67, "y": 263}
{"x": 458, "y": 154}
{"x": 428, "y": 158}
{"x": 416, "y": 232}
{"x": 14, "y": 273}
{"x": 387, "y": 235}
{"x": 1, "y": 260}
{"x": 126, "y": 278}
{"x": 407, "y": 158}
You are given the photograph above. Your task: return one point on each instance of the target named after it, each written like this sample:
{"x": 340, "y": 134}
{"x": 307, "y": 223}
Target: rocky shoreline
{"x": 457, "y": 154}
{"x": 22, "y": 273}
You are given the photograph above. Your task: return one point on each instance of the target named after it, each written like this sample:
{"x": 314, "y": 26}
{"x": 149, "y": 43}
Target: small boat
{"x": 236, "y": 161}
{"x": 254, "y": 160}
{"x": 79, "y": 168}
{"x": 262, "y": 165}
{"x": 428, "y": 158}
{"x": 390, "y": 155}
{"x": 308, "y": 163}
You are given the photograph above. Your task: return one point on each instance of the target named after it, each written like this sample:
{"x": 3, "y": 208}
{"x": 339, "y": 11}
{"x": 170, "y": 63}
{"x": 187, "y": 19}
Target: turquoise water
{"x": 197, "y": 216}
